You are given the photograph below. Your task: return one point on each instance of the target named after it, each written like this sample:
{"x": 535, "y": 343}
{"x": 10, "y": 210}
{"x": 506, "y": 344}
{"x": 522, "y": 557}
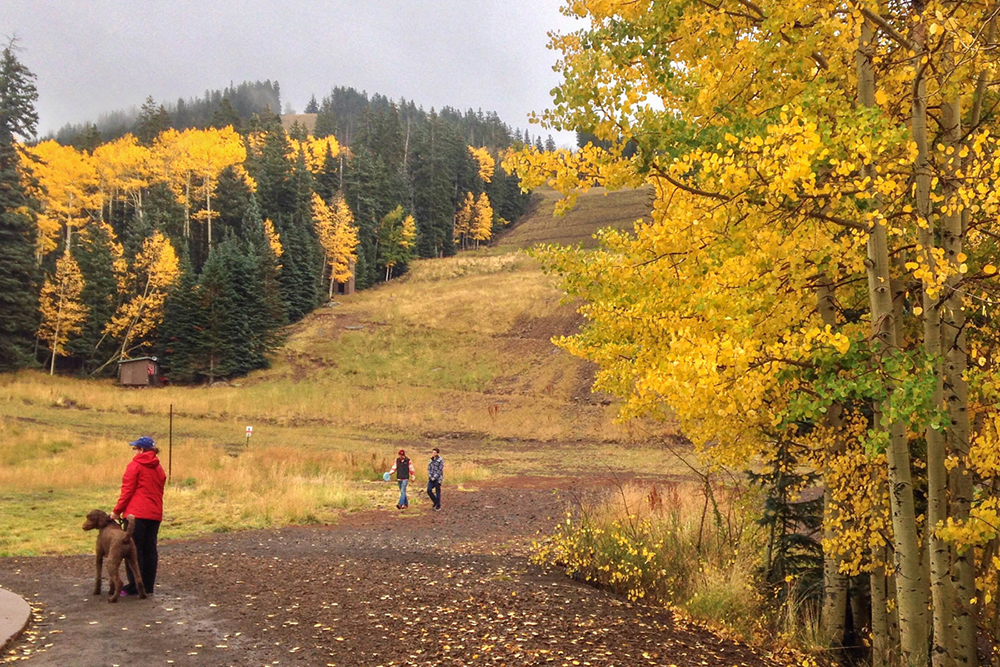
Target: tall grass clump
{"x": 671, "y": 545}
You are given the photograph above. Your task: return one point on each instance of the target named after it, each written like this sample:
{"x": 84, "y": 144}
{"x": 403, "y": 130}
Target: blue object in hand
{"x": 387, "y": 476}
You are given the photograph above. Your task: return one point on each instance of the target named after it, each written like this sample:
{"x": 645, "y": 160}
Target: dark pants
{"x": 144, "y": 537}
{"x": 434, "y": 491}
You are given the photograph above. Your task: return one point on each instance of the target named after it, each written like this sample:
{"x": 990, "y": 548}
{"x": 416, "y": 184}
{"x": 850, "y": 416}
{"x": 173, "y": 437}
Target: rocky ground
{"x": 381, "y": 588}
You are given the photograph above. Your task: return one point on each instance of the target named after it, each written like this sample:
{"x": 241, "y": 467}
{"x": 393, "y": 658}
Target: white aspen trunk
{"x": 835, "y": 584}
{"x": 881, "y": 646}
{"x": 55, "y": 333}
{"x": 187, "y": 207}
{"x": 939, "y": 554}
{"x": 208, "y": 206}
{"x": 911, "y": 599}
{"x": 69, "y": 223}
{"x": 142, "y": 305}
{"x": 956, "y": 390}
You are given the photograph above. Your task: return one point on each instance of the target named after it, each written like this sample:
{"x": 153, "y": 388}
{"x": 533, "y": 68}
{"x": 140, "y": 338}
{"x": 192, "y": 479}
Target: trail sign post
{"x": 249, "y": 433}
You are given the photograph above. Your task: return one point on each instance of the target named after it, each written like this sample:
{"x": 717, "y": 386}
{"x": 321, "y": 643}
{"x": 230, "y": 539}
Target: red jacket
{"x": 142, "y": 488}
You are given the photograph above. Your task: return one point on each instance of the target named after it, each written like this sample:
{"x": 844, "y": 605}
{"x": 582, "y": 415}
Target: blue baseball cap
{"x": 145, "y": 442}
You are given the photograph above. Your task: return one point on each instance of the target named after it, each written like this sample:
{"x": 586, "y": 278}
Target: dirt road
{"x": 381, "y": 588}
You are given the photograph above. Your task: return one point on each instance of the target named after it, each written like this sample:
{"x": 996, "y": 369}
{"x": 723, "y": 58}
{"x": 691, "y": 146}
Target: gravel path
{"x": 381, "y": 588}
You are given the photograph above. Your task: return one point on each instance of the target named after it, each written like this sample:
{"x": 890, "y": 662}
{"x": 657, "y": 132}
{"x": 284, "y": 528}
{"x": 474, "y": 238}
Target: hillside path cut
{"x": 383, "y": 587}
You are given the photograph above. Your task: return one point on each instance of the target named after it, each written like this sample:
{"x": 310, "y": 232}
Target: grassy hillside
{"x": 596, "y": 209}
{"x": 456, "y": 354}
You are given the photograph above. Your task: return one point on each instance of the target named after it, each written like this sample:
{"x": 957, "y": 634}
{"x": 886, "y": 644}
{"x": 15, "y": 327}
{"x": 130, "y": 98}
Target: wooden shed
{"x": 139, "y": 372}
{"x": 348, "y": 287}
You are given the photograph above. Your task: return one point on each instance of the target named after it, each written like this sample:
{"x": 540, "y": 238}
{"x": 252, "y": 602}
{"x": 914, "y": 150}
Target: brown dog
{"x": 116, "y": 545}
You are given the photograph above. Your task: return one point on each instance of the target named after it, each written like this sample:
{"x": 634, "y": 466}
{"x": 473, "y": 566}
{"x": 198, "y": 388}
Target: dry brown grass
{"x": 594, "y": 210}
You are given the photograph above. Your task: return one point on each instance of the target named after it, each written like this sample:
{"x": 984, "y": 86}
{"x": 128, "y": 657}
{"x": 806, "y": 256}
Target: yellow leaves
{"x": 315, "y": 151}
{"x": 338, "y": 235}
{"x": 67, "y": 191}
{"x": 59, "y": 303}
{"x": 485, "y": 161}
{"x": 989, "y": 270}
{"x": 124, "y": 166}
{"x": 191, "y": 161}
{"x": 881, "y": 98}
{"x": 409, "y": 234}
{"x": 273, "y": 238}
{"x": 464, "y": 217}
{"x": 481, "y": 223}
{"x": 143, "y": 289}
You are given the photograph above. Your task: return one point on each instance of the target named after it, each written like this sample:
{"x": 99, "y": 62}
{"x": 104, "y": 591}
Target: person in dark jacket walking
{"x": 142, "y": 497}
{"x": 403, "y": 468}
{"x": 435, "y": 475}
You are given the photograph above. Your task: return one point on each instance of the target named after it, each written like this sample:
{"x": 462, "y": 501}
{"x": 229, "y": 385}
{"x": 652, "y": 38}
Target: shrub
{"x": 699, "y": 550}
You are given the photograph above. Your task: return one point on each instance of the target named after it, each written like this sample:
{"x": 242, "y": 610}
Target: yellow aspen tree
{"x": 343, "y": 252}
{"x": 325, "y": 226}
{"x": 463, "y": 219}
{"x": 485, "y": 161}
{"x": 143, "y": 288}
{"x": 481, "y": 225}
{"x": 63, "y": 314}
{"x": 210, "y": 152}
{"x": 174, "y": 164}
{"x": 67, "y": 190}
{"x": 786, "y": 142}
{"x": 125, "y": 169}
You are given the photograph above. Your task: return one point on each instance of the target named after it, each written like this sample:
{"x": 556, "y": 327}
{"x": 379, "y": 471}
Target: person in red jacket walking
{"x": 142, "y": 496}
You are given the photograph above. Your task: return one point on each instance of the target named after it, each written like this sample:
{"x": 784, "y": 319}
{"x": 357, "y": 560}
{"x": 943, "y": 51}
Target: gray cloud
{"x": 94, "y": 56}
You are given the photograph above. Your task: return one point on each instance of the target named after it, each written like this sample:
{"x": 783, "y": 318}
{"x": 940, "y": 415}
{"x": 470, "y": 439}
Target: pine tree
{"x": 180, "y": 333}
{"x": 226, "y": 116}
{"x": 18, "y": 300}
{"x": 153, "y": 119}
{"x": 62, "y": 311}
{"x": 218, "y": 308}
{"x": 436, "y": 154}
{"x": 231, "y": 201}
{"x": 96, "y": 252}
{"x": 266, "y": 250}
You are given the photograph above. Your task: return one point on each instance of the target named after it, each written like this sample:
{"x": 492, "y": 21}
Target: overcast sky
{"x": 94, "y": 56}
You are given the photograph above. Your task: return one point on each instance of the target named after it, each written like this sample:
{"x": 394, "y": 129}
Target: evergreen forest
{"x": 195, "y": 231}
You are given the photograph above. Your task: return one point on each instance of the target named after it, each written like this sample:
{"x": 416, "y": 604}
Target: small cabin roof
{"x": 125, "y": 361}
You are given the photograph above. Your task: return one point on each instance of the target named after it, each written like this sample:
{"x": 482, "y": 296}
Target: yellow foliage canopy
{"x": 485, "y": 161}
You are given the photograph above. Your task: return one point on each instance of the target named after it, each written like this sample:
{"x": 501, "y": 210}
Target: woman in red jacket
{"x": 142, "y": 496}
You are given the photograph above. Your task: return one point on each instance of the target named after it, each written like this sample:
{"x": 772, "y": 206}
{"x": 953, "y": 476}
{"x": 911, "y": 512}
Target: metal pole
{"x": 170, "y": 446}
